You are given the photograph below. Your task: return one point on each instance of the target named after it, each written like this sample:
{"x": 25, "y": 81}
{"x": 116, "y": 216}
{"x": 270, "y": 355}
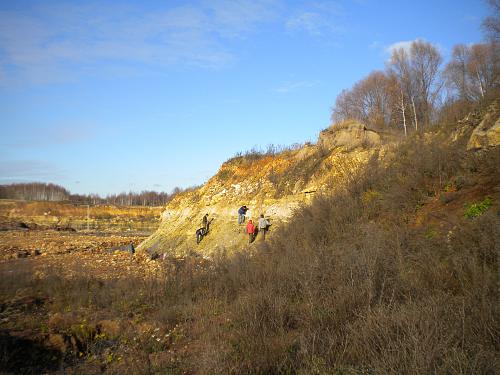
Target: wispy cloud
{"x": 29, "y": 170}
{"x": 53, "y": 42}
{"x": 318, "y": 19}
{"x": 289, "y": 87}
{"x": 60, "y": 134}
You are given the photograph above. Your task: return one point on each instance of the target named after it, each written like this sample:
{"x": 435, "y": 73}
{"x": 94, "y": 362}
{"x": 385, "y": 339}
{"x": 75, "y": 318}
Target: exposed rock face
{"x": 350, "y": 135}
{"x": 487, "y": 133}
{"x": 274, "y": 185}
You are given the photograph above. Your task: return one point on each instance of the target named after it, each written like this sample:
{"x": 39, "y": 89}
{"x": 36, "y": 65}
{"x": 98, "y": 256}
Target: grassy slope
{"x": 385, "y": 275}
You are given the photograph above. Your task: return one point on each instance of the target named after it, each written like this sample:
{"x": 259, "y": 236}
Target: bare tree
{"x": 425, "y": 60}
{"x": 417, "y": 72}
{"x": 491, "y": 24}
{"x": 472, "y": 71}
{"x": 456, "y": 73}
{"x": 400, "y": 67}
{"x": 370, "y": 101}
{"x": 484, "y": 66}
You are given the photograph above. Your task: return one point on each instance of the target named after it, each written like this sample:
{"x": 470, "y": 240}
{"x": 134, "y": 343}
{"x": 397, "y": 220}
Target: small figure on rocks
{"x": 204, "y": 222}
{"x": 202, "y": 232}
{"x": 263, "y": 226}
{"x": 241, "y": 214}
{"x": 250, "y": 231}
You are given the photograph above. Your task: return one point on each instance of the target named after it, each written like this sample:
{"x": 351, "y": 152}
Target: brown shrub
{"x": 350, "y": 286}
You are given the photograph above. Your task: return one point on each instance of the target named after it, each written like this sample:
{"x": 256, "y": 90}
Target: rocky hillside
{"x": 277, "y": 183}
{"x": 273, "y": 183}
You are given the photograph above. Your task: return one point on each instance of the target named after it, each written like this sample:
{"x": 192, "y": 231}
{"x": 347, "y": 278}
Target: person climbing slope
{"x": 250, "y": 231}
{"x": 203, "y": 231}
{"x": 263, "y": 225}
{"x": 241, "y": 214}
{"x": 204, "y": 222}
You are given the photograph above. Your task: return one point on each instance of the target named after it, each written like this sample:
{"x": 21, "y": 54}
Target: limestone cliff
{"x": 274, "y": 184}
{"x": 487, "y": 133}
{"x": 277, "y": 183}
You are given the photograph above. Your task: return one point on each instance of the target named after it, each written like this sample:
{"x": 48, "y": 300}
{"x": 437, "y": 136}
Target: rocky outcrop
{"x": 274, "y": 184}
{"x": 487, "y": 133}
{"x": 350, "y": 134}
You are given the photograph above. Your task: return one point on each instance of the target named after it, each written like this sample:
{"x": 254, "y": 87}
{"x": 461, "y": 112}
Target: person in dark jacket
{"x": 205, "y": 222}
{"x": 241, "y": 214}
{"x": 250, "y": 231}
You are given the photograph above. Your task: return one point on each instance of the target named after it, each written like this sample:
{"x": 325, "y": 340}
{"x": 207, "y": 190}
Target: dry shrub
{"x": 351, "y": 287}
{"x": 348, "y": 287}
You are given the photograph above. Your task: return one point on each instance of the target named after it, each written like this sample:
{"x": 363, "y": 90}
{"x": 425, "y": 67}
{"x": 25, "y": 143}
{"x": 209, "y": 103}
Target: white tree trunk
{"x": 480, "y": 84}
{"x": 414, "y": 113}
{"x": 403, "y": 111}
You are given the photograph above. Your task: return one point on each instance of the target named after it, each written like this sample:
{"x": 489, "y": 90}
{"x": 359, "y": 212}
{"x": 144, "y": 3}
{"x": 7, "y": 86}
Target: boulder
{"x": 487, "y": 133}
{"x": 350, "y": 135}
{"x": 22, "y": 254}
{"x": 128, "y": 248}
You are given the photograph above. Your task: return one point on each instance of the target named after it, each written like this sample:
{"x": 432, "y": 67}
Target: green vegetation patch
{"x": 473, "y": 210}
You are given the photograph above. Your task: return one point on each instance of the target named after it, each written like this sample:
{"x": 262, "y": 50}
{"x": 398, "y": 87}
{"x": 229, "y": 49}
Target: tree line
{"x": 415, "y": 90}
{"x": 37, "y": 191}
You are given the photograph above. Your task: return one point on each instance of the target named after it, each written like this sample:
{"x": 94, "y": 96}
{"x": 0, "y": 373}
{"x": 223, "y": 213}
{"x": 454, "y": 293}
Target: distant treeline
{"x": 37, "y": 191}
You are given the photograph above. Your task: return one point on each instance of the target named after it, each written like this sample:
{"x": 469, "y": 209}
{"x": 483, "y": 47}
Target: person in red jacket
{"x": 250, "y": 231}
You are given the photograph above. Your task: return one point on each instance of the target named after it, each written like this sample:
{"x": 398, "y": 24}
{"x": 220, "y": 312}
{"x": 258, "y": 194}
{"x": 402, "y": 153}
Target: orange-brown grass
{"x": 350, "y": 286}
{"x": 40, "y": 208}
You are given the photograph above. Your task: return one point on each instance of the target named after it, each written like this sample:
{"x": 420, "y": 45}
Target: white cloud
{"x": 318, "y": 19}
{"x": 312, "y": 23}
{"x": 288, "y": 87}
{"x": 405, "y": 45}
{"x": 59, "y": 42}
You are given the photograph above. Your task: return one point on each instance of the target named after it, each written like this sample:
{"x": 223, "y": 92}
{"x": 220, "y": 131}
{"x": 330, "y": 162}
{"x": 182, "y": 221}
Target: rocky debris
{"x": 52, "y": 243}
{"x": 487, "y": 133}
{"x": 129, "y": 248}
{"x": 76, "y": 255}
{"x": 9, "y": 224}
{"x": 65, "y": 229}
{"x": 350, "y": 135}
{"x": 23, "y": 225}
{"x": 22, "y": 254}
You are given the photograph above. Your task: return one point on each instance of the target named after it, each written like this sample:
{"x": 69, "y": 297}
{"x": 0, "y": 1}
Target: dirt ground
{"x": 74, "y": 303}
{"x": 104, "y": 255}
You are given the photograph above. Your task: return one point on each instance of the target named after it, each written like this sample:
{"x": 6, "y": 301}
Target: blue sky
{"x": 105, "y": 97}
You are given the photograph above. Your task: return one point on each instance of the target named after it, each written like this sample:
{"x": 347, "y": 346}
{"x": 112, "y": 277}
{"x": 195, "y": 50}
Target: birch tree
{"x": 417, "y": 69}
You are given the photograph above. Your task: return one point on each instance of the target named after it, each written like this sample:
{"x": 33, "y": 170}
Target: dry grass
{"x": 351, "y": 286}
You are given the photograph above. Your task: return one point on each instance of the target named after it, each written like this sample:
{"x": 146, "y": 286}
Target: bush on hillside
{"x": 351, "y": 286}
